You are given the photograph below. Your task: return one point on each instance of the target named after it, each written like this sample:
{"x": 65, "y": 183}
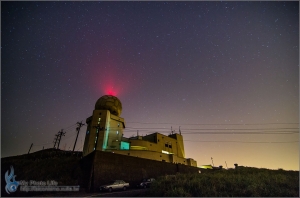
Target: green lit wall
{"x": 125, "y": 145}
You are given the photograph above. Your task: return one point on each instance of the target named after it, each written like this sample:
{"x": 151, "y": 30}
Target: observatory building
{"x": 105, "y": 133}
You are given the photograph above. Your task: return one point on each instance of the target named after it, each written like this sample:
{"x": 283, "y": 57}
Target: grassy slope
{"x": 63, "y": 167}
{"x": 243, "y": 182}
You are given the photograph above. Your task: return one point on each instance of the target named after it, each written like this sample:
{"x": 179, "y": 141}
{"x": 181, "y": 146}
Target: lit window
{"x": 117, "y": 132}
{"x": 166, "y": 152}
{"x": 118, "y": 124}
{"x": 94, "y": 148}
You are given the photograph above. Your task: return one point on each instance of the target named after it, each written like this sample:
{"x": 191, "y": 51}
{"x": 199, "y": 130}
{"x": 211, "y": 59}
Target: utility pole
{"x": 55, "y": 140}
{"x": 30, "y": 148}
{"x": 79, "y": 125}
{"x": 226, "y": 165}
{"x": 212, "y": 161}
{"x": 179, "y": 130}
{"x": 60, "y": 133}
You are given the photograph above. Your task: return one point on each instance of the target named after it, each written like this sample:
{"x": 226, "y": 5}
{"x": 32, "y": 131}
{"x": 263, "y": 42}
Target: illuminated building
{"x": 104, "y": 127}
{"x": 105, "y": 133}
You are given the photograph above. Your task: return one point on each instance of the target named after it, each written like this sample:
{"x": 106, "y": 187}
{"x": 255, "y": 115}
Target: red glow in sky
{"x": 110, "y": 85}
{"x": 110, "y": 91}
{"x": 108, "y": 79}
{"x": 111, "y": 75}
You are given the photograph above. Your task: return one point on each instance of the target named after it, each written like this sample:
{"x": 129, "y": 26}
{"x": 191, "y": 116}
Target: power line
{"x": 69, "y": 126}
{"x": 243, "y": 133}
{"x": 216, "y": 129}
{"x": 221, "y": 132}
{"x": 208, "y": 124}
{"x": 237, "y": 141}
{"x": 47, "y": 143}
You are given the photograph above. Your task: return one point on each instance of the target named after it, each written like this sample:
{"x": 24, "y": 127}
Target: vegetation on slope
{"x": 243, "y": 182}
{"x": 46, "y": 165}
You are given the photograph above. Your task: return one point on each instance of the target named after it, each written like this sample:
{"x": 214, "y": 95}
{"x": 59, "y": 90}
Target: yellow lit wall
{"x": 156, "y": 156}
{"x": 104, "y": 131}
{"x": 158, "y": 142}
{"x": 158, "y": 147}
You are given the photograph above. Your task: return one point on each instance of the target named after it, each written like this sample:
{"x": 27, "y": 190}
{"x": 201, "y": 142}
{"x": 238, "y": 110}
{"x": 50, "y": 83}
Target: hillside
{"x": 243, "y": 182}
{"x": 68, "y": 169}
{"x": 50, "y": 164}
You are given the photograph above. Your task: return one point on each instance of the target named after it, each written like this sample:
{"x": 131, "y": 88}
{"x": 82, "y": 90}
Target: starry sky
{"x": 225, "y": 73}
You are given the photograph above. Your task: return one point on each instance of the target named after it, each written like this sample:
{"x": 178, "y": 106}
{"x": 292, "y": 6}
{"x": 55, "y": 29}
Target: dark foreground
{"x": 82, "y": 193}
{"x": 241, "y": 182}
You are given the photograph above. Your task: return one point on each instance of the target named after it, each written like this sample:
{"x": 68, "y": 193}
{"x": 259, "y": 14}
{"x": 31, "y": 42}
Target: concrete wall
{"x": 156, "y": 156}
{"x": 111, "y": 166}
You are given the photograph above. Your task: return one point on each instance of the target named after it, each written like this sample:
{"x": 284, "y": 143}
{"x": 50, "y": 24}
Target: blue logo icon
{"x": 11, "y": 186}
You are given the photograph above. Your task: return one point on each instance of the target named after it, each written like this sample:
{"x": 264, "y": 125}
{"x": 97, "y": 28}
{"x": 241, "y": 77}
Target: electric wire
{"x": 219, "y": 129}
{"x": 238, "y": 141}
{"x": 209, "y": 124}
{"x": 189, "y": 131}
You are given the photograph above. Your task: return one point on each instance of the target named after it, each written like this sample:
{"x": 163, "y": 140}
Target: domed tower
{"x": 105, "y": 126}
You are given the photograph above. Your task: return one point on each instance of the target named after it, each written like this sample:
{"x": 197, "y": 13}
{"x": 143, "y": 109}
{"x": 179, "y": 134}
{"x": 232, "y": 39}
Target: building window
{"x": 117, "y": 132}
{"x": 128, "y": 153}
{"x": 158, "y": 140}
{"x": 87, "y": 132}
{"x": 118, "y": 124}
{"x": 166, "y": 145}
{"x": 170, "y": 146}
{"x": 166, "y": 152}
{"x": 150, "y": 144}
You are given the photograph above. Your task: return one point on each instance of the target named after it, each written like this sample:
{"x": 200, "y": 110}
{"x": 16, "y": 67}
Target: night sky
{"x": 227, "y": 73}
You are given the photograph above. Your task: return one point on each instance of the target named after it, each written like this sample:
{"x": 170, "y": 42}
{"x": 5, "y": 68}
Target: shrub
{"x": 241, "y": 182}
